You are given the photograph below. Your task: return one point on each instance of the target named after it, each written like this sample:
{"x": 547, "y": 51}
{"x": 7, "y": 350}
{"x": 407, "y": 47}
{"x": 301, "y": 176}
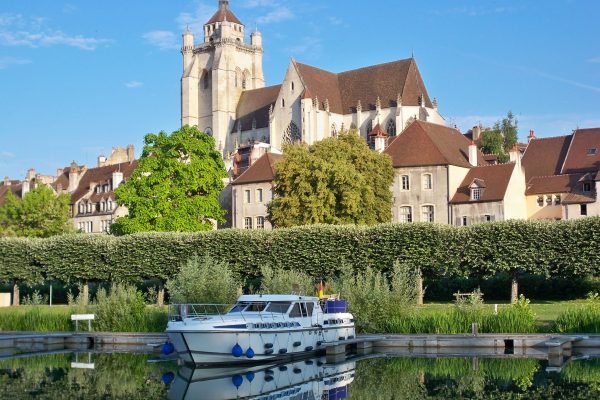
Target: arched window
{"x": 245, "y": 78}
{"x": 238, "y": 74}
{"x": 333, "y": 130}
{"x": 292, "y": 86}
{"x": 391, "y": 127}
{"x": 291, "y": 134}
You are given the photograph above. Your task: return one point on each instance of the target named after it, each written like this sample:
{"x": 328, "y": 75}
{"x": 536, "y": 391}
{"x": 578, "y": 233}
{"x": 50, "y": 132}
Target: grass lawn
{"x": 545, "y": 311}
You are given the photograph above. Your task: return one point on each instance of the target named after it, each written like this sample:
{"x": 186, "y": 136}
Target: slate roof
{"x": 344, "y": 90}
{"x": 254, "y": 105}
{"x": 263, "y": 170}
{"x": 493, "y": 179}
{"x": 544, "y": 157}
{"x": 424, "y": 143}
{"x": 578, "y": 158}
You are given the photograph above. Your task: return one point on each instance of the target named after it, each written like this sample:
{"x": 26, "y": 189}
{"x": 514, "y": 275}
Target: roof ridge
{"x": 494, "y": 165}
{"x": 360, "y": 68}
{"x": 559, "y": 175}
{"x": 551, "y": 137}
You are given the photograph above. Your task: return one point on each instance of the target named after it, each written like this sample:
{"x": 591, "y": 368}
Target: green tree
{"x": 509, "y": 127}
{"x": 176, "y": 185}
{"x": 334, "y": 181}
{"x": 40, "y": 214}
{"x": 491, "y": 142}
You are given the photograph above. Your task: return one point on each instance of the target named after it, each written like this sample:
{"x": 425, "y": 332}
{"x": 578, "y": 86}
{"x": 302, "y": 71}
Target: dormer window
{"x": 475, "y": 193}
{"x": 587, "y": 187}
{"x": 592, "y": 151}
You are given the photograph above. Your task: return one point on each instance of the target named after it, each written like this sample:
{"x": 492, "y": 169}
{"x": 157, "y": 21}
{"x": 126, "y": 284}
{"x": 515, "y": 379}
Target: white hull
{"x": 216, "y": 347}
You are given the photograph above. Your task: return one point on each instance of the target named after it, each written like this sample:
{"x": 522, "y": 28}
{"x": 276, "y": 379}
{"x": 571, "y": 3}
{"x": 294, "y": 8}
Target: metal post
{"x": 50, "y": 295}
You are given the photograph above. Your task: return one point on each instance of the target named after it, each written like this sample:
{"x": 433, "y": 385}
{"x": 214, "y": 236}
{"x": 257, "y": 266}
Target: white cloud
{"x": 308, "y": 43}
{"x": 195, "y": 20}
{"x": 258, "y": 3}
{"x": 475, "y": 11}
{"x": 335, "y": 21}
{"x": 7, "y": 154}
{"x": 15, "y": 30}
{"x": 595, "y": 60}
{"x": 164, "y": 40}
{"x": 6, "y": 62}
{"x": 277, "y": 15}
{"x": 134, "y": 84}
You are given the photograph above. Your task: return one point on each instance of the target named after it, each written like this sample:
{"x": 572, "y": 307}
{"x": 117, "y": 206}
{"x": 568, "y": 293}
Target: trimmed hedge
{"x": 551, "y": 248}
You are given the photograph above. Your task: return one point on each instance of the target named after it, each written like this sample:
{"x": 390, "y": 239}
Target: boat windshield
{"x": 239, "y": 307}
{"x": 256, "y": 307}
{"x": 278, "y": 307}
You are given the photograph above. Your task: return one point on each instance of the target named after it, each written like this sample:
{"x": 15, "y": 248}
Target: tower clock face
{"x": 291, "y": 134}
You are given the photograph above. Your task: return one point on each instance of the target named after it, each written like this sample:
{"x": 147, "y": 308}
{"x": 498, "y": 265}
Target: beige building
{"x": 563, "y": 175}
{"x": 93, "y": 204}
{"x": 223, "y": 93}
{"x": 252, "y": 191}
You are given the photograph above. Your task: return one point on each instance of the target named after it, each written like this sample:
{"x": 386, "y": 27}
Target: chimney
{"x": 130, "y": 153}
{"x": 59, "y": 172}
{"x": 473, "y": 154}
{"x": 6, "y": 181}
{"x": 476, "y": 133}
{"x": 73, "y": 177}
{"x": 117, "y": 179}
{"x": 531, "y": 136}
{"x": 30, "y": 174}
{"x": 515, "y": 155}
{"x": 24, "y": 188}
{"x": 101, "y": 160}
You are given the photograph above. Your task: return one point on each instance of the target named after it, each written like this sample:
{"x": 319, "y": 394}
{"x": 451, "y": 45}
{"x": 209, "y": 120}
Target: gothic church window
{"x": 391, "y": 127}
{"x": 291, "y": 134}
{"x": 333, "y": 130}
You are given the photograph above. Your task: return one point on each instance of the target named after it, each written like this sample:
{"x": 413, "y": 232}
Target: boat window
{"x": 310, "y": 307}
{"x": 239, "y": 307}
{"x": 295, "y": 313}
{"x": 255, "y": 307}
{"x": 278, "y": 307}
{"x": 303, "y": 309}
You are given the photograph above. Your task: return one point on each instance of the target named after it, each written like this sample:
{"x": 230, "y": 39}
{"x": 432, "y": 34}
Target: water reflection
{"x": 376, "y": 376}
{"x": 307, "y": 379}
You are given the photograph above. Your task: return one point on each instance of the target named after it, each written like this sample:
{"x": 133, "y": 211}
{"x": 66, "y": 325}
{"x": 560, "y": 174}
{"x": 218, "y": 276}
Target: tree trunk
{"x": 160, "y": 298}
{"x": 514, "y": 289}
{"x": 15, "y": 299}
{"x": 420, "y": 293}
{"x": 85, "y": 293}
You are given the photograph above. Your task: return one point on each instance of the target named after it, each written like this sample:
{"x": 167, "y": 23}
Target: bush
{"x": 282, "y": 281}
{"x": 122, "y": 309}
{"x": 204, "y": 280}
{"x": 583, "y": 319}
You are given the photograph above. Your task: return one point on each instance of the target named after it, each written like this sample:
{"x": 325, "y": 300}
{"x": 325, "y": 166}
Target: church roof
{"x": 344, "y": 90}
{"x": 263, "y": 170}
{"x": 254, "y": 105}
{"x": 493, "y": 179}
{"x": 224, "y": 14}
{"x": 423, "y": 143}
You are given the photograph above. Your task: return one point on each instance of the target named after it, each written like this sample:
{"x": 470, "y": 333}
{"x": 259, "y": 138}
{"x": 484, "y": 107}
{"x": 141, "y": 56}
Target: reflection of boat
{"x": 259, "y": 328}
{"x": 307, "y": 379}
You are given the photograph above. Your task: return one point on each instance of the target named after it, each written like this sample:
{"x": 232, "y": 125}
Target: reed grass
{"x": 583, "y": 319}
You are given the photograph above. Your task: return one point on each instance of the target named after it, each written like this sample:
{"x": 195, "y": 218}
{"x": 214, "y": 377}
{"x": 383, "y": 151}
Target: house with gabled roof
{"x": 563, "y": 175}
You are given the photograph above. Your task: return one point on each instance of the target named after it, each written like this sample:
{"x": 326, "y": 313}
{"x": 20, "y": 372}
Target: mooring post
{"x": 474, "y": 328}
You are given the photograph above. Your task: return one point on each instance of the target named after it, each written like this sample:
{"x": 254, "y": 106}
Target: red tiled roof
{"x": 552, "y": 184}
{"x": 575, "y": 198}
{"x": 222, "y": 14}
{"x": 386, "y": 81}
{"x": 578, "y": 158}
{"x": 263, "y": 170}
{"x": 544, "y": 157}
{"x": 254, "y": 105}
{"x": 494, "y": 178}
{"x": 424, "y": 143}
{"x": 378, "y": 132}
{"x": 101, "y": 175}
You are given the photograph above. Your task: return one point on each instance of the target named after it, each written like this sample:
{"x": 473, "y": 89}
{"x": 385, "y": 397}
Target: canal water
{"x": 142, "y": 376}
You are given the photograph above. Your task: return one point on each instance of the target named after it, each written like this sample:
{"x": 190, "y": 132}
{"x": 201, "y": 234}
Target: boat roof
{"x": 275, "y": 297}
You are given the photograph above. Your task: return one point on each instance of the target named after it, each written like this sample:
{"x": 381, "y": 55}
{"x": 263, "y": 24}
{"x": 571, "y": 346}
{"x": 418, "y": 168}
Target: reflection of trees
{"x": 115, "y": 376}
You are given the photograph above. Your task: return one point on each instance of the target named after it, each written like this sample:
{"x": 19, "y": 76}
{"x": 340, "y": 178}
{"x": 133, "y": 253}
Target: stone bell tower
{"x": 215, "y": 72}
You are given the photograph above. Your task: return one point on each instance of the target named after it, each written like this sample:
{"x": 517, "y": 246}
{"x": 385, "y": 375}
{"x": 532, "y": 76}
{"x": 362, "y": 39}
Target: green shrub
{"x": 122, "y": 309}
{"x": 283, "y": 281}
{"x": 582, "y": 319}
{"x": 204, "y": 280}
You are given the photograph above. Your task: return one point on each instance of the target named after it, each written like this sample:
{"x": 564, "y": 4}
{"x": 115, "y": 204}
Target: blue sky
{"x": 77, "y": 78}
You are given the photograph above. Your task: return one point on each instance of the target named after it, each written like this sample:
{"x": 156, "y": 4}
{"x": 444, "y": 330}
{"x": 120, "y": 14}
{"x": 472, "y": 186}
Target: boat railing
{"x": 178, "y": 312}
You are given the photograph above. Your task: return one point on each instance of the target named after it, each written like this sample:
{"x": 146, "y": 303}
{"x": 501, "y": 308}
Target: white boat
{"x": 258, "y": 328}
{"x": 306, "y": 379}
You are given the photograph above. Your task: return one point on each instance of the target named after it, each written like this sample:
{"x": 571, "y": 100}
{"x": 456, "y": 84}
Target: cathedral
{"x": 223, "y": 93}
